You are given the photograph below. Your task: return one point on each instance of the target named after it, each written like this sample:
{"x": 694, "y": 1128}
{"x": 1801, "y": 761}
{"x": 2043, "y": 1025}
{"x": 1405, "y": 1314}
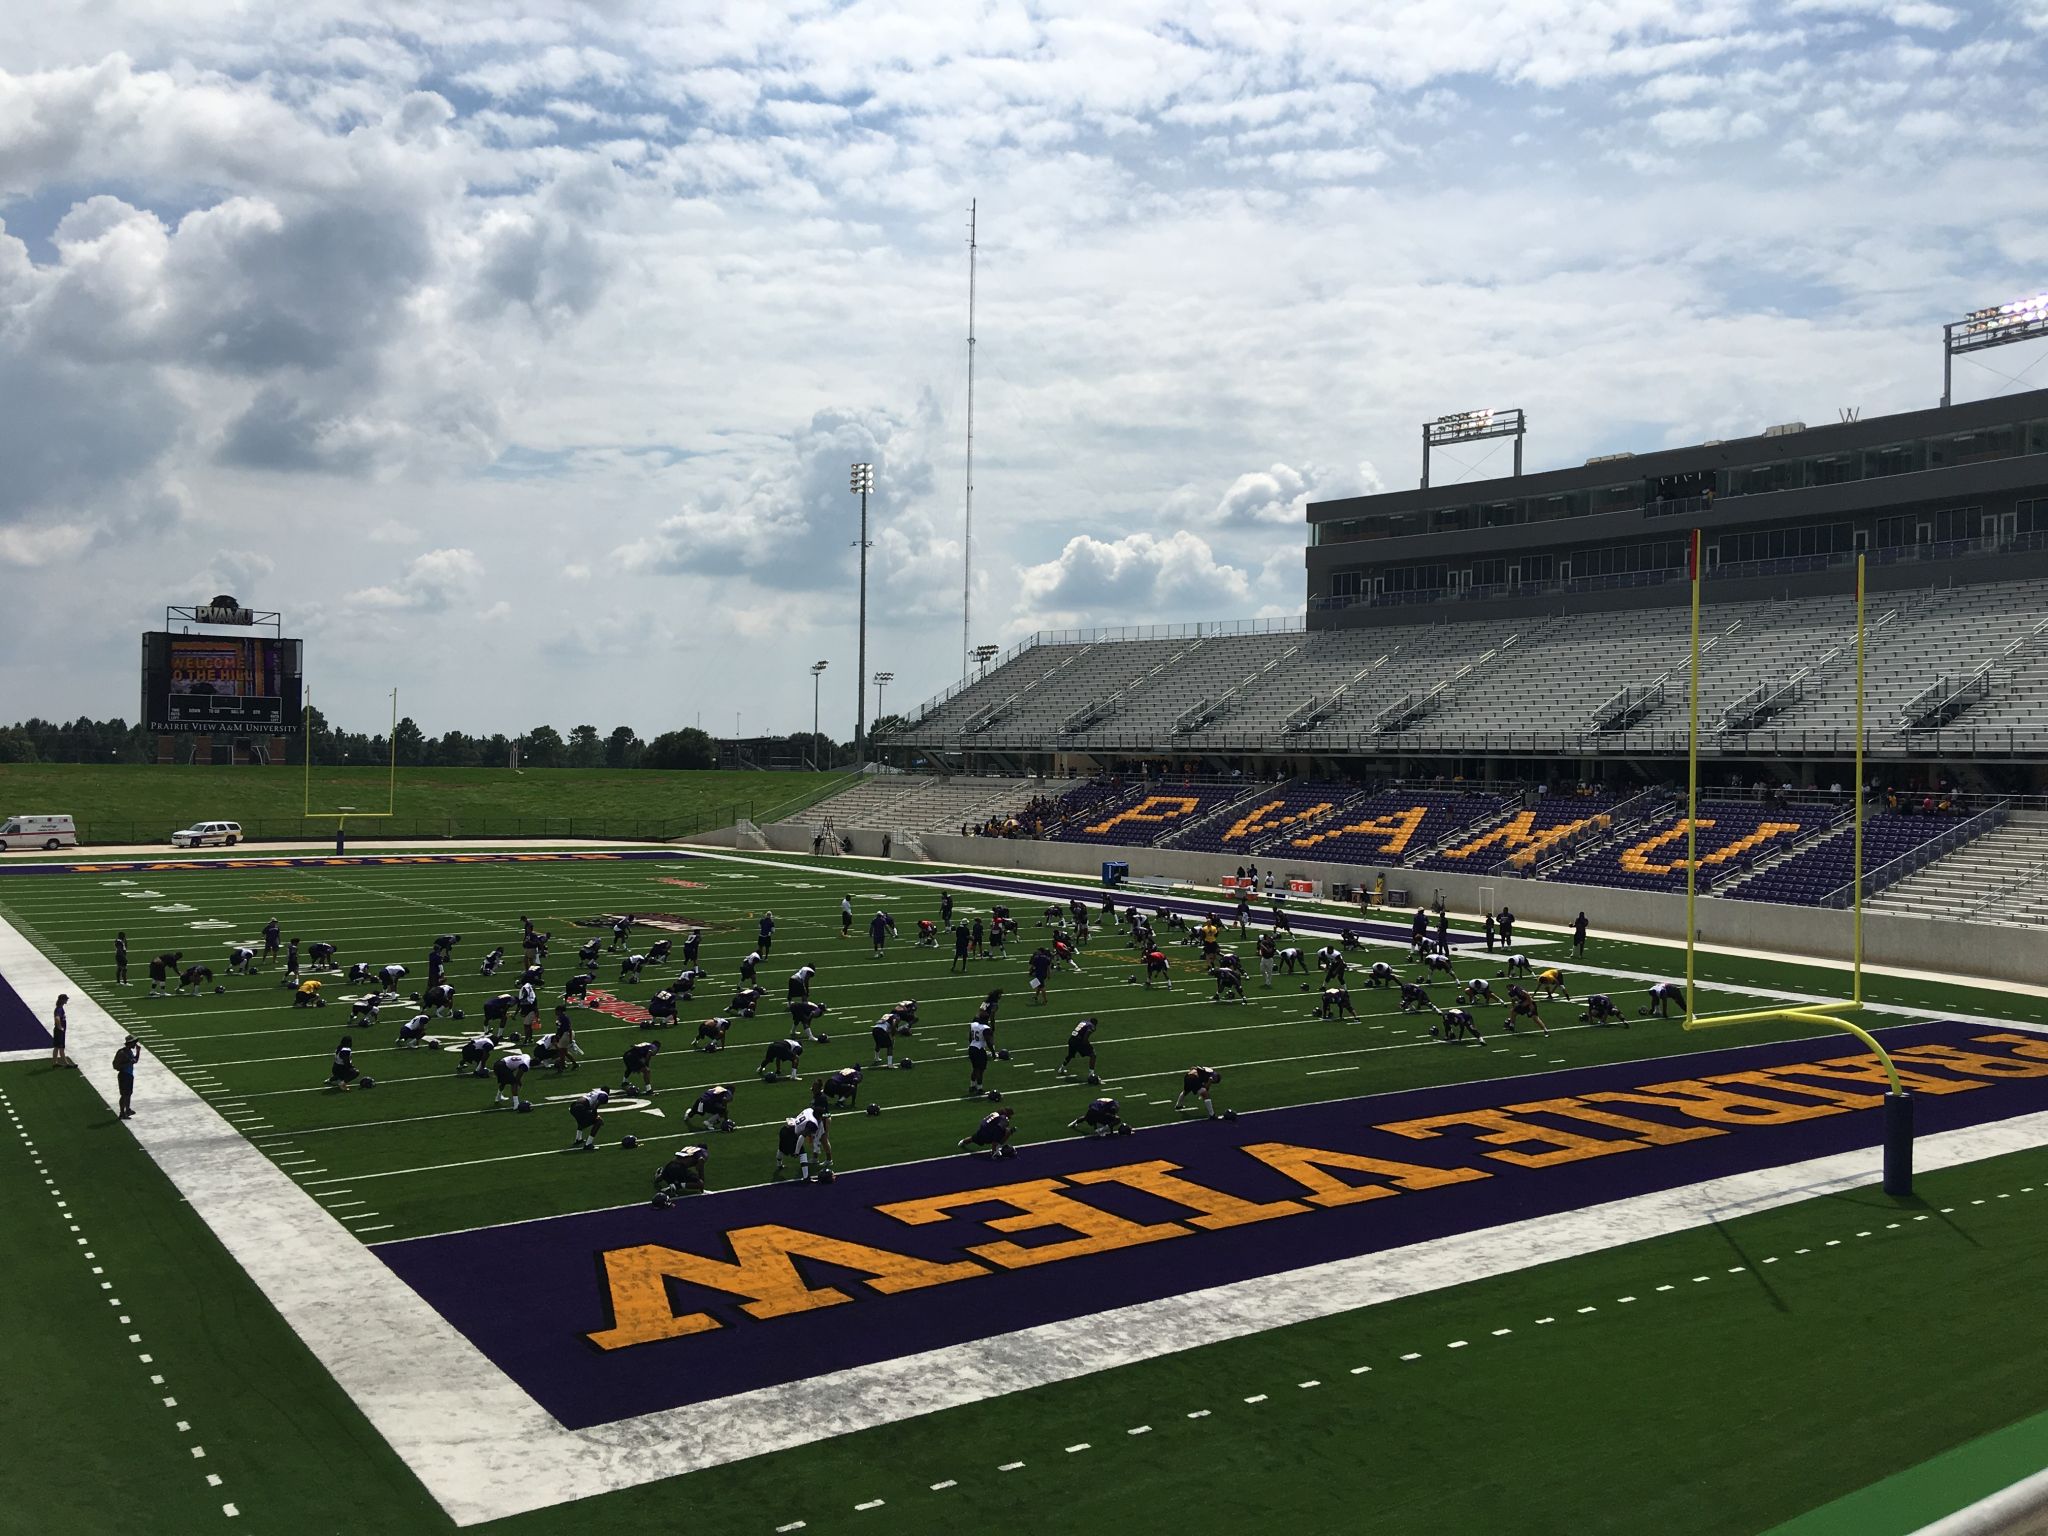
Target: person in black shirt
{"x": 121, "y": 959}
{"x": 1579, "y": 936}
{"x": 124, "y": 1074}
{"x": 59, "y": 1028}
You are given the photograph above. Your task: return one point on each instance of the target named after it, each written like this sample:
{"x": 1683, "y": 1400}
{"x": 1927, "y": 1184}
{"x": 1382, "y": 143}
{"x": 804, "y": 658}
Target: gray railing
{"x": 1892, "y": 872}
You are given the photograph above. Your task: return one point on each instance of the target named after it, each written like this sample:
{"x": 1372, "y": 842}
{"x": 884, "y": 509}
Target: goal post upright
{"x": 342, "y": 816}
{"x": 1898, "y": 1103}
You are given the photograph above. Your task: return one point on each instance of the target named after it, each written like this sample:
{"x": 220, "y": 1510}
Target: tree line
{"x": 86, "y": 740}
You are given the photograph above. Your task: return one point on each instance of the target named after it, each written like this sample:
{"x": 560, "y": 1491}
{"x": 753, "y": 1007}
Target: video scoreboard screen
{"x": 225, "y": 684}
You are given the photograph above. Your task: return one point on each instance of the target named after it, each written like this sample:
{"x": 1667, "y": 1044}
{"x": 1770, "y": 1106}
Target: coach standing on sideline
{"x": 124, "y": 1074}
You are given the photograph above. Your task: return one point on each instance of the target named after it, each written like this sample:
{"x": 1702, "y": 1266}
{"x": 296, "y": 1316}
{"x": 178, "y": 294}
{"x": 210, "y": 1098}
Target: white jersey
{"x": 803, "y": 974}
{"x": 515, "y": 1061}
{"x": 753, "y": 959}
{"x": 980, "y": 1035}
{"x": 1326, "y": 954}
{"x": 806, "y": 1125}
{"x": 527, "y": 996}
{"x": 1289, "y": 954}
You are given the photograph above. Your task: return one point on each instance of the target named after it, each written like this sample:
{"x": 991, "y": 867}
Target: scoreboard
{"x": 220, "y": 684}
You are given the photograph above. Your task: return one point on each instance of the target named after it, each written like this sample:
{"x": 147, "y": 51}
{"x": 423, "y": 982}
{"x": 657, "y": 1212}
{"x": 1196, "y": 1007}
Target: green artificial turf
{"x": 131, "y": 803}
{"x": 1778, "y": 1381}
{"x": 1726, "y": 1405}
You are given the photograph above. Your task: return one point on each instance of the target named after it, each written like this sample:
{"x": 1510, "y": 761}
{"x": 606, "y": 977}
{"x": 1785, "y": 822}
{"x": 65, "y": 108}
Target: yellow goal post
{"x": 1898, "y": 1141}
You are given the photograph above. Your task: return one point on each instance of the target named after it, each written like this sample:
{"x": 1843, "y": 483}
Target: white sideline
{"x": 485, "y": 1450}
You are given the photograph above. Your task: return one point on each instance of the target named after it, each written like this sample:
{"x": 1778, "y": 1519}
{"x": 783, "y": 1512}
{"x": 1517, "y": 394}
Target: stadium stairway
{"x": 2000, "y": 878}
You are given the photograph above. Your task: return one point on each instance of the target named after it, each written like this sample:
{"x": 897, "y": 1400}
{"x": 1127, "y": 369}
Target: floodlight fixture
{"x": 1471, "y": 426}
{"x": 1995, "y": 325}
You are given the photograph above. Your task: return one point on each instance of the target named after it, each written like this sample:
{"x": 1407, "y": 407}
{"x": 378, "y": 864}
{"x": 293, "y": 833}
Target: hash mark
{"x": 1417, "y": 1355}
{"x": 1009, "y": 1466}
{"x": 213, "y": 1479}
{"x": 1142, "y": 1429}
{"x": 942, "y": 1487}
{"x": 871, "y": 1504}
{"x": 1199, "y": 1413}
{"x": 1072, "y": 1449}
{"x": 1258, "y": 1399}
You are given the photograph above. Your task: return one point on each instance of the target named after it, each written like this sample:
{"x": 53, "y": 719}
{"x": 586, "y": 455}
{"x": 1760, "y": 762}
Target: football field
{"x": 1594, "y": 1278}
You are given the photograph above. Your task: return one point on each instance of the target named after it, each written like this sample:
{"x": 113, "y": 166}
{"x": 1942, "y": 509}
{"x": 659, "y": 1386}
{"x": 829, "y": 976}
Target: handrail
{"x": 1892, "y": 871}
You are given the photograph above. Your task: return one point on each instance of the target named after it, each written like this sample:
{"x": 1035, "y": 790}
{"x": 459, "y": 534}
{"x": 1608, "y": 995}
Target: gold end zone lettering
{"x": 1504, "y": 1130}
{"x": 1218, "y": 1210}
{"x": 1956, "y": 1060}
{"x": 763, "y": 1270}
{"x": 1868, "y": 1069}
{"x": 1647, "y": 1130}
{"x": 1701, "y": 1101}
{"x": 2022, "y": 1045}
{"x": 1826, "y": 1093}
{"x": 1305, "y": 1165}
{"x": 1039, "y": 1205}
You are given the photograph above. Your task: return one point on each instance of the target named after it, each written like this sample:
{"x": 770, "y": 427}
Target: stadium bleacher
{"x": 1827, "y": 865}
{"x": 1732, "y": 835}
{"x": 1784, "y": 669}
{"x": 1521, "y": 838}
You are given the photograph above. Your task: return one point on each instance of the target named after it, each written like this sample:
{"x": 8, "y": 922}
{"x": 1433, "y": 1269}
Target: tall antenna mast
{"x": 967, "y": 525}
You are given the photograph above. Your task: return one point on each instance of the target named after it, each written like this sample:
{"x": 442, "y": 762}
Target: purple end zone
{"x": 535, "y": 1327}
{"x": 328, "y": 861}
{"x": 20, "y": 1029}
{"x": 1223, "y": 904}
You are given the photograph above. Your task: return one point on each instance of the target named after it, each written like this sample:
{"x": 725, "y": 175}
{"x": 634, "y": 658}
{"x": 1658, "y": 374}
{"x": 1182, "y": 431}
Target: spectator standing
{"x": 121, "y": 959}
{"x": 1507, "y": 929}
{"x": 1489, "y": 930}
{"x": 59, "y": 1028}
{"x": 124, "y": 1074}
{"x": 1579, "y": 937}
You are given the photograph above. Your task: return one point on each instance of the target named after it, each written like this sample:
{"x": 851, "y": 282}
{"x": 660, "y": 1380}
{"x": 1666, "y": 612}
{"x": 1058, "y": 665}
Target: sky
{"x": 518, "y": 354}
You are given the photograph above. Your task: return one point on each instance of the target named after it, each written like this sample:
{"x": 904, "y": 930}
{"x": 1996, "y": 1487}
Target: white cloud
{"x": 1135, "y": 579}
{"x": 611, "y": 314}
{"x": 436, "y": 582}
{"x": 1279, "y": 497}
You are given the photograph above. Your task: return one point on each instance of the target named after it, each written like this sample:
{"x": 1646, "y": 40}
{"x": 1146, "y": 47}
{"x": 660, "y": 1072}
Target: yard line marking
{"x": 1072, "y": 1449}
{"x": 871, "y": 1504}
{"x": 1305, "y": 1385}
{"x": 1417, "y": 1355}
{"x": 1142, "y": 1429}
{"x": 1009, "y": 1466}
{"x": 213, "y": 1479}
{"x": 794, "y": 1525}
{"x": 1258, "y": 1399}
{"x": 1199, "y": 1413}
{"x": 229, "y": 1510}
{"x": 1456, "y": 1344}
{"x": 385, "y": 1228}
{"x": 1499, "y": 1331}
{"x": 942, "y": 1487}
{"x": 1360, "y": 1370}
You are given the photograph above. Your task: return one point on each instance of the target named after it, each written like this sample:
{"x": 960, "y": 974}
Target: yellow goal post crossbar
{"x": 1822, "y": 1013}
{"x": 343, "y": 817}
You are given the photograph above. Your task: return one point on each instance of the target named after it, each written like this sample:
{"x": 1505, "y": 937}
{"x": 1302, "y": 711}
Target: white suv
{"x": 200, "y": 833}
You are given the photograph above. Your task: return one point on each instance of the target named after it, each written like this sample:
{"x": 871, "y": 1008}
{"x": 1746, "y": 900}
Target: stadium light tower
{"x": 1999, "y": 325}
{"x": 1471, "y": 426}
{"x": 882, "y": 680}
{"x": 863, "y": 483}
{"x": 817, "y": 675}
{"x": 983, "y": 655}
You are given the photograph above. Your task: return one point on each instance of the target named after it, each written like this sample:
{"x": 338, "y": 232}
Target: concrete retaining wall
{"x": 2001, "y": 954}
